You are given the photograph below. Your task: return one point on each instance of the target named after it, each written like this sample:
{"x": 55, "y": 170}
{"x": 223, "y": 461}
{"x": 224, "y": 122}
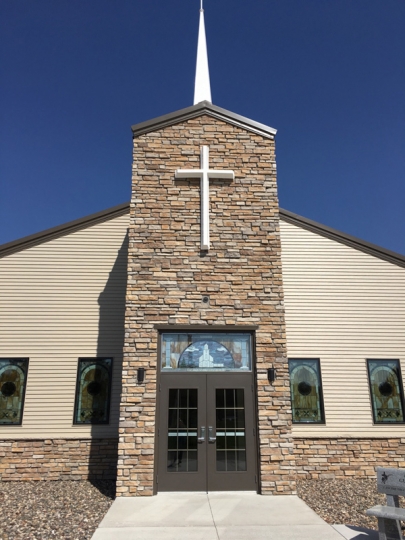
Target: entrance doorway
{"x": 206, "y": 432}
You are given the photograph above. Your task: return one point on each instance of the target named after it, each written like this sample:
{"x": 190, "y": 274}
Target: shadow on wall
{"x": 111, "y": 331}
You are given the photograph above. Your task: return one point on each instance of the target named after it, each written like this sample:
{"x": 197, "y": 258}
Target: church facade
{"x": 134, "y": 347}
{"x": 200, "y": 338}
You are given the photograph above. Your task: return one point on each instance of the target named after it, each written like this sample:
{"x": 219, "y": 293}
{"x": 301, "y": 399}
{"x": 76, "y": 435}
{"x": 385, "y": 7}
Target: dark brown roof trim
{"x": 205, "y": 107}
{"x": 62, "y": 230}
{"x": 122, "y": 209}
{"x": 343, "y": 238}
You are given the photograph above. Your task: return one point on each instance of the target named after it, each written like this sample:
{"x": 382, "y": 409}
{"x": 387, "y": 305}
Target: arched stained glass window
{"x": 93, "y": 390}
{"x": 306, "y": 391}
{"x": 13, "y": 375}
{"x": 386, "y": 391}
{"x": 206, "y": 351}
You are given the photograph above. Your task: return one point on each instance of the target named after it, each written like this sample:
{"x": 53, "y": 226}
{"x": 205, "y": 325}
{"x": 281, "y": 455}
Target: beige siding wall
{"x": 342, "y": 306}
{"x": 64, "y": 299}
{"x": 59, "y": 301}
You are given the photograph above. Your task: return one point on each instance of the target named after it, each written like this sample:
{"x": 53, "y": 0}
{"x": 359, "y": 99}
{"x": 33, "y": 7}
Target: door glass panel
{"x": 182, "y": 430}
{"x": 230, "y": 430}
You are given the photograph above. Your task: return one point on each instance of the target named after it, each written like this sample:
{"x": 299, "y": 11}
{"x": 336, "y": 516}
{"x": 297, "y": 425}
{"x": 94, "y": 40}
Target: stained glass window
{"x": 386, "y": 391}
{"x": 206, "y": 351}
{"x": 306, "y": 391}
{"x": 93, "y": 389}
{"x": 13, "y": 377}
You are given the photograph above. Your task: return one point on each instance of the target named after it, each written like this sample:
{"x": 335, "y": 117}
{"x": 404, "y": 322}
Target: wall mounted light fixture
{"x": 141, "y": 375}
{"x": 271, "y": 375}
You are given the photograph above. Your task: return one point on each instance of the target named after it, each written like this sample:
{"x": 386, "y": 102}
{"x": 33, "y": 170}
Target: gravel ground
{"x": 73, "y": 510}
{"x": 342, "y": 501}
{"x": 53, "y": 510}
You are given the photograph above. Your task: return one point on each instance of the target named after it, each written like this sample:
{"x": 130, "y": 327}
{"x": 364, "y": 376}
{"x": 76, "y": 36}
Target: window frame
{"x": 25, "y": 359}
{"x": 322, "y": 421}
{"x": 401, "y": 391}
{"x": 77, "y": 387}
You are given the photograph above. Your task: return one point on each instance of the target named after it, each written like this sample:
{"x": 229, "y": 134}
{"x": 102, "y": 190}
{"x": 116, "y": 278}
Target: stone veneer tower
{"x": 168, "y": 276}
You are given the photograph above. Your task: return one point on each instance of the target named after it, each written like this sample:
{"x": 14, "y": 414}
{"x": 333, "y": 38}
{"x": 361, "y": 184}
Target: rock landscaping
{"x": 62, "y": 510}
{"x": 342, "y": 501}
{"x": 68, "y": 510}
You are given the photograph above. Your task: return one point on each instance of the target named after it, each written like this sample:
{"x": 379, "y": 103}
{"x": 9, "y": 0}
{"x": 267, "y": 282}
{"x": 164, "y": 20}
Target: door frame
{"x": 160, "y": 329}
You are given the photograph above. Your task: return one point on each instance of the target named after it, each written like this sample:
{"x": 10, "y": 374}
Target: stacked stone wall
{"x": 168, "y": 276}
{"x": 58, "y": 459}
{"x": 343, "y": 457}
{"x": 72, "y": 459}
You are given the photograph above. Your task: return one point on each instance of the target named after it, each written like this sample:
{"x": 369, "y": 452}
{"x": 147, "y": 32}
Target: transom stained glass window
{"x": 13, "y": 377}
{"x": 206, "y": 351}
{"x": 93, "y": 390}
{"x": 386, "y": 391}
{"x": 306, "y": 391}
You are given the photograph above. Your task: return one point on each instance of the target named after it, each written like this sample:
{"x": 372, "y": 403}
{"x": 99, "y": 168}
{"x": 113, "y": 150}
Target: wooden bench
{"x": 392, "y": 483}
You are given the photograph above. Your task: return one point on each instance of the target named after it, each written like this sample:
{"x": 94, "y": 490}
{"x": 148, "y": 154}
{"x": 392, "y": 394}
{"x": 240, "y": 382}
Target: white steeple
{"x": 202, "y": 88}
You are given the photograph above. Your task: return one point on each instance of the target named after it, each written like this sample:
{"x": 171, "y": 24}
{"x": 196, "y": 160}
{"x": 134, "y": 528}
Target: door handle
{"x": 201, "y": 439}
{"x": 211, "y": 439}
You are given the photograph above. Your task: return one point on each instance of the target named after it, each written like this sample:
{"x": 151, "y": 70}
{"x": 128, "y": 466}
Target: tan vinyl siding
{"x": 343, "y": 306}
{"x": 61, "y": 300}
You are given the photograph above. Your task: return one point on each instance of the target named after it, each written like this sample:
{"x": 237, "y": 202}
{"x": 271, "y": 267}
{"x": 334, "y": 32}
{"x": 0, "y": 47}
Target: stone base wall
{"x": 343, "y": 458}
{"x": 58, "y": 459}
{"x": 83, "y": 459}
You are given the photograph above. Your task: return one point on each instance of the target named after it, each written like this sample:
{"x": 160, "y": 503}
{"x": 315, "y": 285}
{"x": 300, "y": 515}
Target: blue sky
{"x": 328, "y": 74}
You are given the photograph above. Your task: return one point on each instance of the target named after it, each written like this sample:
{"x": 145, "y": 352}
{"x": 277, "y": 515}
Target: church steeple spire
{"x": 202, "y": 88}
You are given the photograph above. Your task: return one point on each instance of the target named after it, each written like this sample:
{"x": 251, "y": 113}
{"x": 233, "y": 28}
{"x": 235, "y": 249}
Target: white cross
{"x": 205, "y": 173}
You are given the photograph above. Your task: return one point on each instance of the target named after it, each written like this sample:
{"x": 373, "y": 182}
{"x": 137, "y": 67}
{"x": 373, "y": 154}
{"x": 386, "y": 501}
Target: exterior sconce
{"x": 271, "y": 375}
{"x": 141, "y": 375}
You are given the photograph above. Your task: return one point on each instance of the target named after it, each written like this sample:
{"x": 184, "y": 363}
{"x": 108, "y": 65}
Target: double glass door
{"x": 206, "y": 432}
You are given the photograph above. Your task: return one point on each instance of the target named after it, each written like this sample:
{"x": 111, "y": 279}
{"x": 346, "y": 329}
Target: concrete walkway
{"x": 217, "y": 516}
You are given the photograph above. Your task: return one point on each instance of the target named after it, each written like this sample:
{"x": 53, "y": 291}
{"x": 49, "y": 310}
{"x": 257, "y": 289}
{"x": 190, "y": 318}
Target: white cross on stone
{"x": 204, "y": 174}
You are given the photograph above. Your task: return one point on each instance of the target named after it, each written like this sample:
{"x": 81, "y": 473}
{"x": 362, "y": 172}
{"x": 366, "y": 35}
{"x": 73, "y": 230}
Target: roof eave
{"x": 204, "y": 107}
{"x": 285, "y": 215}
{"x": 62, "y": 230}
{"x": 343, "y": 238}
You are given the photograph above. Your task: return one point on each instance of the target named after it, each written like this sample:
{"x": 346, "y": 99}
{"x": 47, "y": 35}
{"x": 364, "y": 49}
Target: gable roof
{"x": 62, "y": 230}
{"x": 122, "y": 209}
{"x": 204, "y": 107}
{"x": 343, "y": 238}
